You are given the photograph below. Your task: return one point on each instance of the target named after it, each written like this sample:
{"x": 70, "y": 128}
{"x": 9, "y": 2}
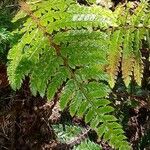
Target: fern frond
{"x": 65, "y": 46}
{"x": 78, "y": 17}
{"x": 139, "y": 16}
{"x": 15, "y": 74}
{"x": 114, "y": 56}
{"x": 128, "y": 57}
{"x": 138, "y": 64}
{"x": 27, "y": 51}
{"x": 84, "y": 94}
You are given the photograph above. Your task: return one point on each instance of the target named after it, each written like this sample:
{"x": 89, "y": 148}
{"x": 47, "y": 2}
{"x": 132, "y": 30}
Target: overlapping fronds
{"x": 133, "y": 25}
{"x": 66, "y": 47}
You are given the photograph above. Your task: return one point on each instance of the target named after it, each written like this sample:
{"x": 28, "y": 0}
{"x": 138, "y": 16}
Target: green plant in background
{"x": 72, "y": 135}
{"x": 69, "y": 133}
{"x": 6, "y": 26}
{"x": 5, "y": 39}
{"x": 88, "y": 145}
{"x": 68, "y": 46}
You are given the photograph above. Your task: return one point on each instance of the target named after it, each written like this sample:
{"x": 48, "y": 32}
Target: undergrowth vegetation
{"x": 81, "y": 53}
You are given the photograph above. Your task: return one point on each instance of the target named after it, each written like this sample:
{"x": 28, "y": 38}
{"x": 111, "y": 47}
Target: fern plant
{"x": 67, "y": 46}
{"x": 5, "y": 39}
{"x": 125, "y": 43}
{"x": 6, "y": 26}
{"x": 75, "y": 137}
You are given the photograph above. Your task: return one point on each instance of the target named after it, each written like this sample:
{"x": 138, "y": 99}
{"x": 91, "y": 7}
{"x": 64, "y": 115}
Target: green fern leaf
{"x": 67, "y": 94}
{"x": 139, "y": 14}
{"x": 56, "y": 82}
{"x": 138, "y": 64}
{"x": 128, "y": 57}
{"x": 63, "y": 49}
{"x": 114, "y": 56}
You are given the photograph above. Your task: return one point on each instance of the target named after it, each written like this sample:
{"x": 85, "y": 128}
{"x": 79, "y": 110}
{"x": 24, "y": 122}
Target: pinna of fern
{"x": 126, "y": 43}
{"x": 67, "y": 49}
